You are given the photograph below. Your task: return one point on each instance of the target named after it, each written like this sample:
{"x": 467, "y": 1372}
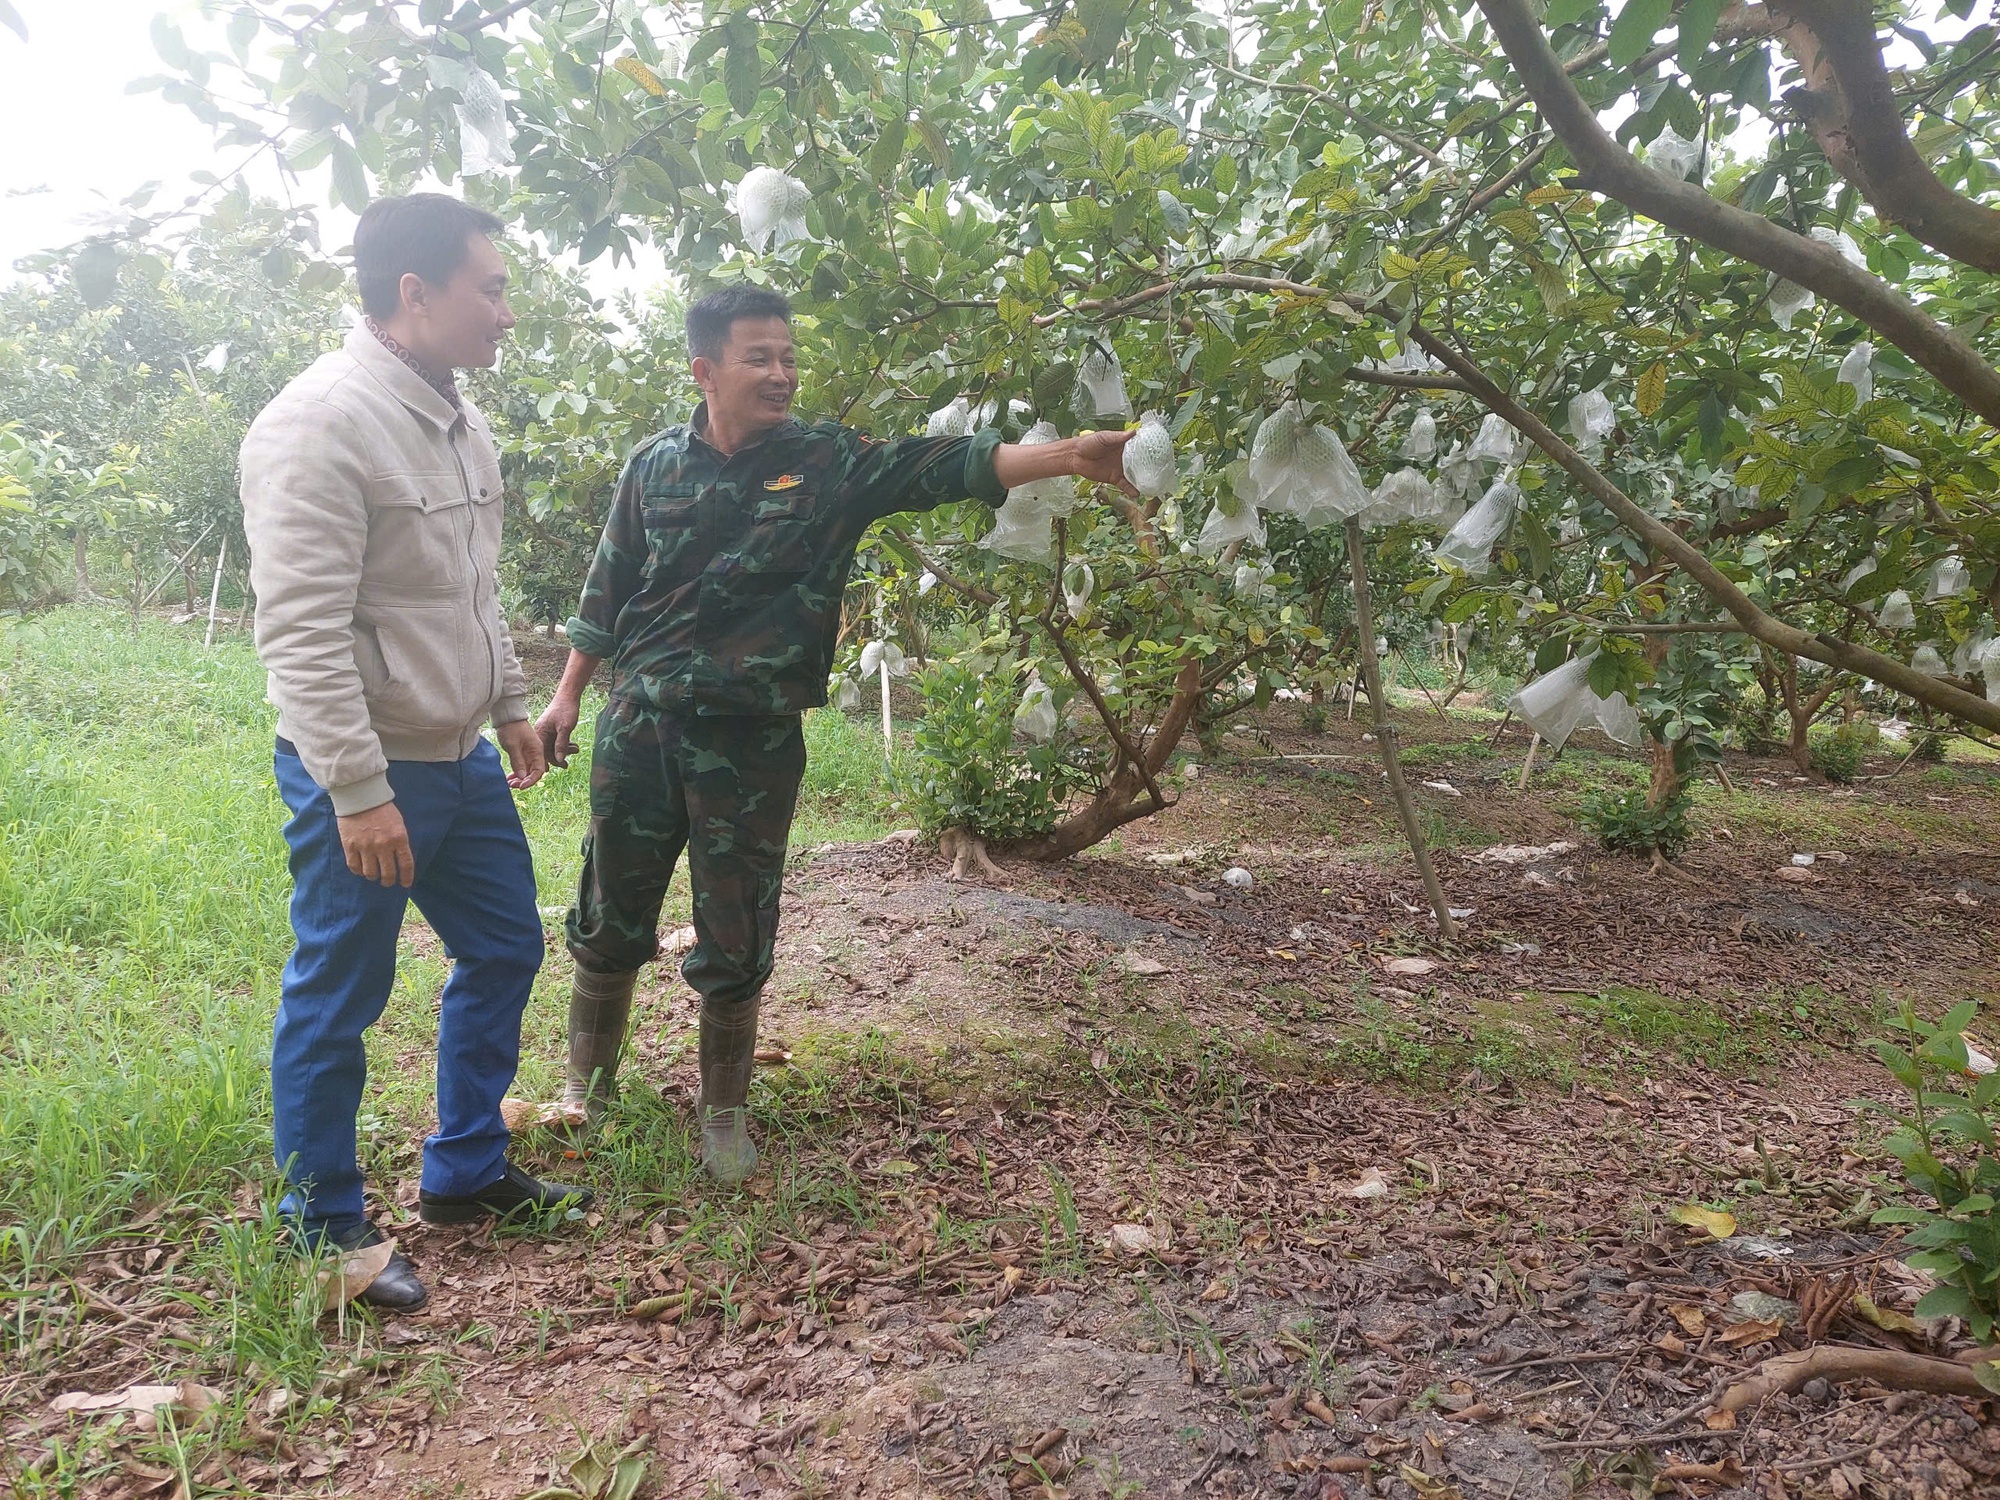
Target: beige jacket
{"x": 373, "y": 513}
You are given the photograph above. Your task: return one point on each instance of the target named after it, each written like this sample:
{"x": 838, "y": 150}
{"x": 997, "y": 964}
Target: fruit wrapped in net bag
{"x": 1949, "y": 579}
{"x": 1858, "y": 370}
{"x": 1469, "y": 544}
{"x": 1078, "y": 584}
{"x": 1557, "y": 704}
{"x": 1591, "y": 420}
{"x": 953, "y": 420}
{"x": 1926, "y": 659}
{"x": 1302, "y": 468}
{"x": 483, "y": 143}
{"x": 1787, "y": 300}
{"x": 1898, "y": 613}
{"x": 1149, "y": 457}
{"x": 1497, "y": 442}
{"x": 880, "y": 656}
{"x": 1420, "y": 445}
{"x": 1100, "y": 384}
{"x": 1036, "y": 717}
{"x": 1403, "y": 496}
{"x": 771, "y": 207}
{"x": 1234, "y": 518}
{"x": 1673, "y": 153}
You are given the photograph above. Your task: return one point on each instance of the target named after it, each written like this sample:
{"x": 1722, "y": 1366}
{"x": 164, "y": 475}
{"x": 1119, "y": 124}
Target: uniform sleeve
{"x": 906, "y": 474}
{"x": 305, "y": 512}
{"x": 616, "y": 570}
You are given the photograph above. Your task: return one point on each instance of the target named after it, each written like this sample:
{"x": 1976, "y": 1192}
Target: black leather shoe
{"x": 512, "y": 1192}
{"x": 396, "y": 1288}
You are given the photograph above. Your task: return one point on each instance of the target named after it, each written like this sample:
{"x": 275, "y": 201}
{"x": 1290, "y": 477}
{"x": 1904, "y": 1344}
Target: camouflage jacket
{"x": 716, "y": 586}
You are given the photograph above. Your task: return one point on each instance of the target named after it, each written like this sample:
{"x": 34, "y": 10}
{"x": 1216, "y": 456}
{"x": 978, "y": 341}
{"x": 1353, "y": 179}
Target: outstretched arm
{"x": 1097, "y": 456}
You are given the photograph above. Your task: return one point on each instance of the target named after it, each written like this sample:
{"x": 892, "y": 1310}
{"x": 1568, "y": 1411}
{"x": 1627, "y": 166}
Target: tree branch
{"x": 1717, "y": 585}
{"x": 1607, "y": 168}
{"x": 1847, "y": 100}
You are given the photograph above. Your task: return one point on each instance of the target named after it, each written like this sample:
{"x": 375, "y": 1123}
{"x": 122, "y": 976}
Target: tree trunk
{"x": 1666, "y": 775}
{"x": 82, "y": 563}
{"x": 1799, "y": 747}
{"x": 1123, "y": 799}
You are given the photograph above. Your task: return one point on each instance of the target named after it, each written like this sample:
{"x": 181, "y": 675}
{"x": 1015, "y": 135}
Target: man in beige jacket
{"x": 371, "y": 498}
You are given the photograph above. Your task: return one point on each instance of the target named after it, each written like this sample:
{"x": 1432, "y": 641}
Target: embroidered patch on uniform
{"x": 785, "y": 482}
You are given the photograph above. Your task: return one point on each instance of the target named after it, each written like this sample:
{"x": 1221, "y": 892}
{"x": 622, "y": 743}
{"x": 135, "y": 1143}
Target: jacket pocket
{"x": 780, "y": 541}
{"x": 672, "y": 533}
{"x": 421, "y": 532}
{"x": 412, "y": 663}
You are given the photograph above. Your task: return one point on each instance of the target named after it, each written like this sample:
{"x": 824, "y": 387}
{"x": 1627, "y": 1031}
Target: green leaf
{"x": 95, "y": 272}
{"x": 1698, "y": 18}
{"x": 1944, "y": 1302}
{"x": 742, "y": 66}
{"x": 1224, "y": 173}
{"x": 1633, "y": 32}
{"x": 168, "y": 42}
{"x": 1567, "y": 12}
{"x": 350, "y": 177}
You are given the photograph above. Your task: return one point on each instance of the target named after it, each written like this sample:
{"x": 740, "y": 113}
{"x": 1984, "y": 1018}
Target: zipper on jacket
{"x": 493, "y": 683}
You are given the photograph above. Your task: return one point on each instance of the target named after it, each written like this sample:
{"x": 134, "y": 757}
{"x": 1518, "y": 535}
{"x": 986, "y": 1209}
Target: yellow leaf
{"x": 1693, "y": 1321}
{"x": 1720, "y": 1225}
{"x": 1652, "y": 390}
{"x": 642, "y": 75}
{"x": 1751, "y": 1331}
{"x": 1398, "y": 266}
{"x": 1886, "y": 1318}
{"x": 1541, "y": 197}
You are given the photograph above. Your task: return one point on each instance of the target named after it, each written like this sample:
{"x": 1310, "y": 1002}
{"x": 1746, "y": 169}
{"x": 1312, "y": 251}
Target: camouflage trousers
{"x": 722, "y": 787}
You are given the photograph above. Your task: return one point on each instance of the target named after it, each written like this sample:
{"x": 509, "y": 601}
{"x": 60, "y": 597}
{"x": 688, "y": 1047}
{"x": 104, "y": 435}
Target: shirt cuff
{"x": 359, "y": 796}
{"x": 588, "y": 639}
{"x": 510, "y": 710}
{"x": 981, "y": 483}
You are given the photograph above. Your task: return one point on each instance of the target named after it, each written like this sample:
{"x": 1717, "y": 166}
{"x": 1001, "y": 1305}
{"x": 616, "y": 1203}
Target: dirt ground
{"x": 1120, "y": 1180}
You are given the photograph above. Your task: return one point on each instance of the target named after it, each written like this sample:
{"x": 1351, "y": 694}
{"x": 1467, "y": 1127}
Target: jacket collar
{"x": 405, "y": 384}
{"x": 697, "y": 431}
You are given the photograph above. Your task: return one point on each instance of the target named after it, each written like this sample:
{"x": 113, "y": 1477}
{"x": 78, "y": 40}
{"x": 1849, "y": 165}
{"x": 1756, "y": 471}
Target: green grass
{"x": 143, "y": 927}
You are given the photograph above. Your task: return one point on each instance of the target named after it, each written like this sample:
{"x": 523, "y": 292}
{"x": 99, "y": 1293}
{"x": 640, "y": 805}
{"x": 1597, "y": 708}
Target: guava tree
{"x": 1367, "y": 219}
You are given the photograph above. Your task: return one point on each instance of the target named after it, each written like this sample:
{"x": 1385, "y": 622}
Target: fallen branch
{"x": 1895, "y": 1368}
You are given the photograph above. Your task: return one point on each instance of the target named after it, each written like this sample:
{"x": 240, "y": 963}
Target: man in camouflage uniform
{"x": 715, "y": 594}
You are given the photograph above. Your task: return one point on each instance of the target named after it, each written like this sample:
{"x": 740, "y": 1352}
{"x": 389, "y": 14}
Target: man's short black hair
{"x": 428, "y": 233}
{"x": 710, "y": 317}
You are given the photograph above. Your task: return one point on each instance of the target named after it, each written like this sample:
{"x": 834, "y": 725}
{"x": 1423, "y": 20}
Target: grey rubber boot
{"x": 728, "y": 1055}
{"x": 600, "y": 1005}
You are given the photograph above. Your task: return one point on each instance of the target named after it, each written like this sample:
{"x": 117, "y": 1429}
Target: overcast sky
{"x": 75, "y": 142}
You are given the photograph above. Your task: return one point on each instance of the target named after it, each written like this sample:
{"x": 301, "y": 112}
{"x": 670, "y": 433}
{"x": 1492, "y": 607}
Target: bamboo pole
{"x": 1385, "y": 735}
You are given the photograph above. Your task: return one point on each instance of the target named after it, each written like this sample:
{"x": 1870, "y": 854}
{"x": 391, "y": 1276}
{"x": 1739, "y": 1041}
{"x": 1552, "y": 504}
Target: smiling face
{"x": 458, "y": 324}
{"x": 750, "y": 382}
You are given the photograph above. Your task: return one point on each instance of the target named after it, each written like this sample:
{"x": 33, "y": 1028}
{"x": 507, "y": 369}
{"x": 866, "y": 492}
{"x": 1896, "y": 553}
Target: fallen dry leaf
{"x": 1132, "y": 961}
{"x": 1410, "y": 967}
{"x": 1693, "y": 1321}
{"x": 357, "y": 1272}
{"x": 186, "y": 1399}
{"x": 1750, "y": 1331}
{"x": 1216, "y": 1291}
{"x": 1719, "y": 1224}
{"x": 1370, "y": 1184}
{"x": 1798, "y": 876}
{"x": 1134, "y": 1239}
{"x": 1886, "y": 1318}
{"x": 523, "y": 1115}
{"x": 1720, "y": 1421}
{"x": 680, "y": 940}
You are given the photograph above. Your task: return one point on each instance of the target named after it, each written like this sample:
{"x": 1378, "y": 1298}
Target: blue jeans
{"x": 476, "y": 886}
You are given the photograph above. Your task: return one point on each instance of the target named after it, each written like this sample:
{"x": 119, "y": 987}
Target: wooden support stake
{"x": 1385, "y": 735}
{"x": 888, "y": 729}
{"x": 215, "y": 593}
{"x": 1528, "y": 765}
